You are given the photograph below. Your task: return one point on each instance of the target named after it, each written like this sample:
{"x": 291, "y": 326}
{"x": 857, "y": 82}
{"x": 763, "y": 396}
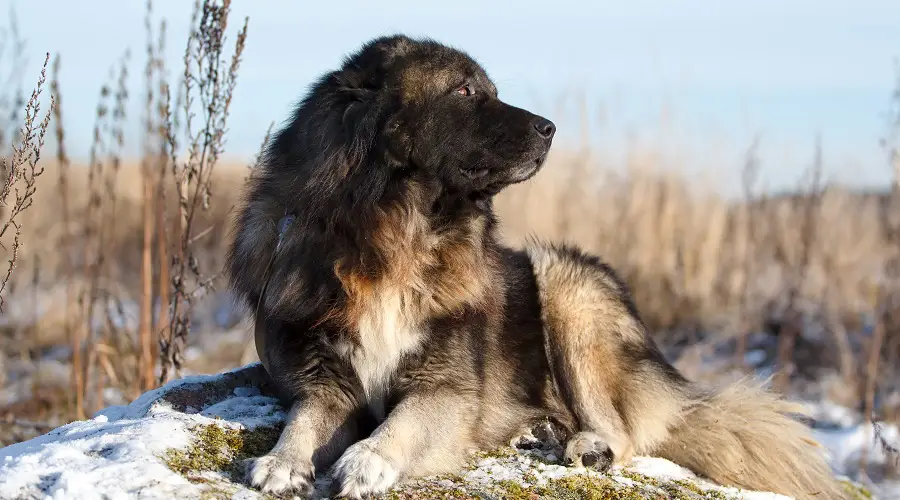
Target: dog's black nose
{"x": 545, "y": 128}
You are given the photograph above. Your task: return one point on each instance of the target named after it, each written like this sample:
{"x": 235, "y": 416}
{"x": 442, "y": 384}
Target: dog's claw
{"x": 587, "y": 449}
{"x": 278, "y": 475}
{"x": 362, "y": 471}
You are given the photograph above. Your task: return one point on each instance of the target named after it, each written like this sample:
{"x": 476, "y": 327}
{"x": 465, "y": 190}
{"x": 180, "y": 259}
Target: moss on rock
{"x": 627, "y": 485}
{"x": 855, "y": 491}
{"x": 221, "y": 449}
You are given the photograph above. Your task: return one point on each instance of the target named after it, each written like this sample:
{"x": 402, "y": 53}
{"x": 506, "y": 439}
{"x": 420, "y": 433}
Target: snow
{"x": 847, "y": 445}
{"x": 91, "y": 459}
{"x": 118, "y": 453}
{"x": 523, "y": 469}
{"x": 660, "y": 468}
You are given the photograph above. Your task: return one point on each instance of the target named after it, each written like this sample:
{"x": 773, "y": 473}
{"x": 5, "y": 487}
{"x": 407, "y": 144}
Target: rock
{"x": 189, "y": 438}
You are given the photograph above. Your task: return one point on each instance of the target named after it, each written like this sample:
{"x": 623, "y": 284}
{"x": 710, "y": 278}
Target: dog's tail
{"x": 745, "y": 435}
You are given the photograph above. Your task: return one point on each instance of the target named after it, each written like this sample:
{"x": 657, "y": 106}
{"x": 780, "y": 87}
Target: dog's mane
{"x": 359, "y": 228}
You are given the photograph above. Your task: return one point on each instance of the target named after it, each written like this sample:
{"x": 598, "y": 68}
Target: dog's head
{"x": 415, "y": 111}
{"x": 445, "y": 122}
{"x": 389, "y": 165}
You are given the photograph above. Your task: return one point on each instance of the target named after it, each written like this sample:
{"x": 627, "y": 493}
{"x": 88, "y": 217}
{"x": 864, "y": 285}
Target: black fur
{"x": 391, "y": 304}
{"x": 360, "y": 141}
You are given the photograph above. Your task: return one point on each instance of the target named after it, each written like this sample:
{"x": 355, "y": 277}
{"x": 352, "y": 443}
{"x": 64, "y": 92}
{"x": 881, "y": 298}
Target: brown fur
{"x": 743, "y": 435}
{"x": 406, "y": 335}
{"x": 433, "y": 273}
{"x": 739, "y": 435}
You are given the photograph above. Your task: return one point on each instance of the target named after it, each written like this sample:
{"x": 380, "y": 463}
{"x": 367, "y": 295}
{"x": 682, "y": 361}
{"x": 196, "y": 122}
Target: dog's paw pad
{"x": 361, "y": 471}
{"x": 589, "y": 450}
{"x": 276, "y": 474}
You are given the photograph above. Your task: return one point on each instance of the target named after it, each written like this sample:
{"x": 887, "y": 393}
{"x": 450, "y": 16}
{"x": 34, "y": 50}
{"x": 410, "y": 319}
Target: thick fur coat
{"x": 406, "y": 335}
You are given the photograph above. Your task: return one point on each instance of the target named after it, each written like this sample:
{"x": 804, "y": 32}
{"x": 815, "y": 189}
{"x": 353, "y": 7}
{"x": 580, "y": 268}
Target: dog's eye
{"x": 465, "y": 90}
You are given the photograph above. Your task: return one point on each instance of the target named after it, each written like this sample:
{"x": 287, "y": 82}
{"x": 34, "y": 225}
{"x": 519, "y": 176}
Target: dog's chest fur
{"x": 387, "y": 330}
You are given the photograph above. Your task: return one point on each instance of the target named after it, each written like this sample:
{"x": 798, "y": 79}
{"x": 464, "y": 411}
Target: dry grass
{"x": 706, "y": 272}
{"x": 683, "y": 249}
{"x": 43, "y": 230}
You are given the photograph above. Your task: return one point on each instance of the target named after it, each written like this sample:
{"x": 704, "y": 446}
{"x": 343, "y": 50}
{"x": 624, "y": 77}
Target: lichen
{"x": 221, "y": 449}
{"x": 442, "y": 487}
{"x": 589, "y": 487}
{"x": 514, "y": 489}
{"x": 574, "y": 486}
{"x": 502, "y": 452}
{"x": 855, "y": 491}
{"x": 603, "y": 488}
{"x": 216, "y": 492}
{"x": 675, "y": 488}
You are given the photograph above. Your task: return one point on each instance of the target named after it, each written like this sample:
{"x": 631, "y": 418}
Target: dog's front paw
{"x": 587, "y": 449}
{"x": 362, "y": 471}
{"x": 278, "y": 474}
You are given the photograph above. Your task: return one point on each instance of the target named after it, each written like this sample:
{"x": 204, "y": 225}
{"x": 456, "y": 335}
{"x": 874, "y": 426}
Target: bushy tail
{"x": 744, "y": 435}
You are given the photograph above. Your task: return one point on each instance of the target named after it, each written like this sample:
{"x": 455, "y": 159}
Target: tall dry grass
{"x": 705, "y": 271}
{"x": 87, "y": 258}
{"x": 695, "y": 260}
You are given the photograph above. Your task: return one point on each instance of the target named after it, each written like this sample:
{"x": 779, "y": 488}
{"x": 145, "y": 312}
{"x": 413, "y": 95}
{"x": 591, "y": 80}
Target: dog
{"x": 406, "y": 335}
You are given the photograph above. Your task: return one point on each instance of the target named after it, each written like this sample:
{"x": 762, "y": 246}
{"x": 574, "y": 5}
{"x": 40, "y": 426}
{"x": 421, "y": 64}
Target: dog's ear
{"x": 373, "y": 114}
{"x": 364, "y": 116}
{"x": 356, "y": 106}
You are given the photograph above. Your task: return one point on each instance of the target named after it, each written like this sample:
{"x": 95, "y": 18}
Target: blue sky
{"x": 702, "y": 75}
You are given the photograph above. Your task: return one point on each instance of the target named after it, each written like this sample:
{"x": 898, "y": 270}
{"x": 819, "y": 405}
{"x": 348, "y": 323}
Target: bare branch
{"x": 22, "y": 171}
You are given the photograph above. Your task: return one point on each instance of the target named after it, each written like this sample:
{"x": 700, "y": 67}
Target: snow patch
{"x": 117, "y": 454}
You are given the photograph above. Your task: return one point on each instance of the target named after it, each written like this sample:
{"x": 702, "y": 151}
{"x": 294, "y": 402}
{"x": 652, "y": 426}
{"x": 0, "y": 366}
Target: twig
{"x": 24, "y": 166}
{"x": 210, "y": 81}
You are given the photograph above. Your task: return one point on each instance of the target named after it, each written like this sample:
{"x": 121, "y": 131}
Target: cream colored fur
{"x": 740, "y": 435}
{"x": 387, "y": 331}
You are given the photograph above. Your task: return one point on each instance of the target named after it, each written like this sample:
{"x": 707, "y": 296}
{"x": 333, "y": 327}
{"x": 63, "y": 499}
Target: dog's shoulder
{"x": 566, "y": 268}
{"x": 576, "y": 288}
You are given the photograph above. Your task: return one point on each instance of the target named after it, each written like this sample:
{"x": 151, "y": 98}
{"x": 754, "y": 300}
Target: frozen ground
{"x": 186, "y": 440}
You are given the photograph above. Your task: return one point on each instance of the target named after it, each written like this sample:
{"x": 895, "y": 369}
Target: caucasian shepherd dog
{"x": 407, "y": 336}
